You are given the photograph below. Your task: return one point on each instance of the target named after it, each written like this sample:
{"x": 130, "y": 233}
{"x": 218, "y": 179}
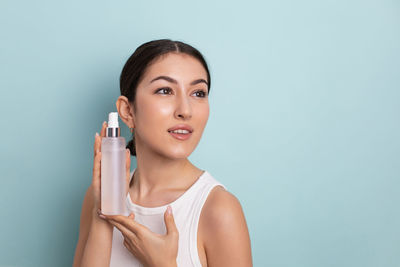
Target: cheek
{"x": 153, "y": 113}
{"x": 204, "y": 112}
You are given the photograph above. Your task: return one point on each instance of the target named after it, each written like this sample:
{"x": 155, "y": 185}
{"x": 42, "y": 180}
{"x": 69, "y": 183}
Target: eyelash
{"x": 204, "y": 92}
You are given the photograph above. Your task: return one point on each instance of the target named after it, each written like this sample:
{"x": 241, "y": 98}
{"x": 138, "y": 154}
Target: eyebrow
{"x": 171, "y": 80}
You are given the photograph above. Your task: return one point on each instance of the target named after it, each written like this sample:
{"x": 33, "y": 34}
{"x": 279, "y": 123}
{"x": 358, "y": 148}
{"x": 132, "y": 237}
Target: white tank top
{"x": 186, "y": 210}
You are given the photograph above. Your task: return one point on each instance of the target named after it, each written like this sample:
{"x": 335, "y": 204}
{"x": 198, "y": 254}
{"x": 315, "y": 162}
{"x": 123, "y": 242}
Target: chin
{"x": 178, "y": 153}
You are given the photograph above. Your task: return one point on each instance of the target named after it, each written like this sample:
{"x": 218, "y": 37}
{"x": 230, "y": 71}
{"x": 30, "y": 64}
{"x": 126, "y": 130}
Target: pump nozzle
{"x": 113, "y": 120}
{"x": 113, "y": 125}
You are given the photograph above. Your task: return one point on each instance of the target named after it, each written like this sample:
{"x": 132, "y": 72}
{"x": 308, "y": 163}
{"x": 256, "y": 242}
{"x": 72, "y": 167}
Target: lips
{"x": 180, "y": 136}
{"x": 181, "y": 127}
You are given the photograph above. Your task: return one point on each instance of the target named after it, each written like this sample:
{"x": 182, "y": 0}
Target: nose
{"x": 183, "y": 107}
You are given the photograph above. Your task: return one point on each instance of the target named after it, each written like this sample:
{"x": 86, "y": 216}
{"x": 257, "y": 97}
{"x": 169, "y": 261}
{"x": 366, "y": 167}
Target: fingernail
{"x": 100, "y": 215}
{"x": 104, "y": 122}
{"x": 97, "y": 134}
{"x": 169, "y": 210}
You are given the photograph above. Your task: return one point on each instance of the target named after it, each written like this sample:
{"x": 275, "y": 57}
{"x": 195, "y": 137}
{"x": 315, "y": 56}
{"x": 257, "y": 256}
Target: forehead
{"x": 177, "y": 65}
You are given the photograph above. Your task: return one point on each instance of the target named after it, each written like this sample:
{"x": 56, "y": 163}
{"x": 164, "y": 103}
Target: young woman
{"x": 164, "y": 101}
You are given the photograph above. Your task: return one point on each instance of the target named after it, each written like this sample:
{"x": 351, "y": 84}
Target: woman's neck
{"x": 156, "y": 175}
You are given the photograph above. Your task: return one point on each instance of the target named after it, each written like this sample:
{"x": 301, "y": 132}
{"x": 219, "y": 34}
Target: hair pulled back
{"x": 137, "y": 63}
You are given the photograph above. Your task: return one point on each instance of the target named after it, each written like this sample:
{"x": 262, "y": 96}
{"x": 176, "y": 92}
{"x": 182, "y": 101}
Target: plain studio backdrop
{"x": 304, "y": 124}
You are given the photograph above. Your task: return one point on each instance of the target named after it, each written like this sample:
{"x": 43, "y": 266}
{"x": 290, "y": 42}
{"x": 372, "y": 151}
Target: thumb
{"x": 170, "y": 222}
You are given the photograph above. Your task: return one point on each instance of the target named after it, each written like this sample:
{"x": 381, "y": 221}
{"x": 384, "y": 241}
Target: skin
{"x": 163, "y": 174}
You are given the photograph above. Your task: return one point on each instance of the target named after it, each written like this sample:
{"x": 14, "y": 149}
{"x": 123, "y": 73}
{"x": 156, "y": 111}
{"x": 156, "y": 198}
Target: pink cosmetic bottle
{"x": 113, "y": 170}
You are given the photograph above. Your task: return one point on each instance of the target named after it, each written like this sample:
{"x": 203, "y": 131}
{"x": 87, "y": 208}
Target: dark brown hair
{"x": 138, "y": 62}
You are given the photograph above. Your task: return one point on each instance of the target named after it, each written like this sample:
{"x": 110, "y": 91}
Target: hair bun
{"x": 131, "y": 147}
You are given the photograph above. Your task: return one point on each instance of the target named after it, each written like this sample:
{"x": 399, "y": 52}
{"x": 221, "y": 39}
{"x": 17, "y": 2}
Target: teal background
{"x": 303, "y": 128}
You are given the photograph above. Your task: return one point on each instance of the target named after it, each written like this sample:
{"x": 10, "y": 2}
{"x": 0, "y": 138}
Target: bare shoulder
{"x": 224, "y": 230}
{"x": 221, "y": 207}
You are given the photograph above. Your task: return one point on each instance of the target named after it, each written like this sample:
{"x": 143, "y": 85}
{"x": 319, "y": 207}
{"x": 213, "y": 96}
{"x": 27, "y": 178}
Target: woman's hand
{"x": 151, "y": 249}
{"x": 96, "y": 181}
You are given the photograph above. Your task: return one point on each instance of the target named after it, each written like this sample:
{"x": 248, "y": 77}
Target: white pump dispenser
{"x": 113, "y": 120}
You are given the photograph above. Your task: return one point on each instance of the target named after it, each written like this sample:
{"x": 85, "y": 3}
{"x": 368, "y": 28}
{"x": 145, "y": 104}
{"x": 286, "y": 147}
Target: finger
{"x": 128, "y": 169}
{"x": 170, "y": 222}
{"x": 126, "y": 244}
{"x": 126, "y": 222}
{"x": 102, "y": 134}
{"x": 131, "y": 245}
{"x": 97, "y": 139}
{"x": 127, "y": 233}
{"x": 101, "y": 215}
{"x": 103, "y": 129}
{"x": 96, "y": 168}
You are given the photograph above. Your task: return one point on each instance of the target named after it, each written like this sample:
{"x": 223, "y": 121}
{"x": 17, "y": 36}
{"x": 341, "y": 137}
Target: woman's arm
{"x": 84, "y": 227}
{"x": 225, "y": 234}
{"x": 95, "y": 234}
{"x": 95, "y": 237}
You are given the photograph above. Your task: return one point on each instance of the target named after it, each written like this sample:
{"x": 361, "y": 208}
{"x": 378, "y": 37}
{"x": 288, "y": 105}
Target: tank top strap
{"x": 209, "y": 183}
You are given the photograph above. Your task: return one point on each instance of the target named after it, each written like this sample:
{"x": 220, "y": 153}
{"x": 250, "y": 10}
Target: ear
{"x": 125, "y": 111}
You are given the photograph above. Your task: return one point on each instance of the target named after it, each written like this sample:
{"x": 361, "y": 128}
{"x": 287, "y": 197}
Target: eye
{"x": 203, "y": 93}
{"x": 164, "y": 89}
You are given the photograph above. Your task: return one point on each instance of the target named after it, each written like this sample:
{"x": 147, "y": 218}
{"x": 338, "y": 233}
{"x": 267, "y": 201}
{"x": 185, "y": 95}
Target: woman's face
{"x": 173, "y": 91}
